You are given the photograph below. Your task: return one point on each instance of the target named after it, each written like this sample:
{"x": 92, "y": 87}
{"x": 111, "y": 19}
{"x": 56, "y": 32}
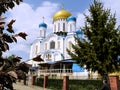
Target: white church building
{"x": 52, "y": 47}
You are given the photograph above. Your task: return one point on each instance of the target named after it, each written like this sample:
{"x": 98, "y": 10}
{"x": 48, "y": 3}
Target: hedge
{"x": 56, "y": 84}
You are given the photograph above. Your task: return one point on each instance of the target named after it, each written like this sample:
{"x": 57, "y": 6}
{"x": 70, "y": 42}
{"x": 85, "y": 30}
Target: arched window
{"x": 52, "y": 45}
{"x": 48, "y": 56}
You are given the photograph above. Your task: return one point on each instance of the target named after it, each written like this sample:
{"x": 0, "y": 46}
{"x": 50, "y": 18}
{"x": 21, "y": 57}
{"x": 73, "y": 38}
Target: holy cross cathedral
{"x": 52, "y": 47}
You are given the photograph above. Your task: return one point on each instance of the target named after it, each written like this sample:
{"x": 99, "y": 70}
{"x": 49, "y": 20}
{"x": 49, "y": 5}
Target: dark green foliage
{"x": 10, "y": 29}
{"x": 8, "y": 4}
{"x": 23, "y": 67}
{"x": 56, "y": 84}
{"x": 10, "y": 63}
{"x": 39, "y": 82}
{"x": 7, "y": 72}
{"x": 1, "y": 61}
{"x": 7, "y": 35}
{"x": 100, "y": 50}
{"x": 84, "y": 84}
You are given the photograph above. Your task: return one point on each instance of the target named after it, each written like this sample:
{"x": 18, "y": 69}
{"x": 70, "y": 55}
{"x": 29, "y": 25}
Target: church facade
{"x": 52, "y": 47}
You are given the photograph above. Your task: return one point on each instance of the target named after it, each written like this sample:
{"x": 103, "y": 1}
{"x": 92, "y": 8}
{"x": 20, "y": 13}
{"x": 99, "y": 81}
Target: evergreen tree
{"x": 100, "y": 51}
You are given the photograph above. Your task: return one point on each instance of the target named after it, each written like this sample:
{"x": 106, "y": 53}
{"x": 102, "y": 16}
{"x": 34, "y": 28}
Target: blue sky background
{"x": 72, "y": 6}
{"x": 29, "y": 15}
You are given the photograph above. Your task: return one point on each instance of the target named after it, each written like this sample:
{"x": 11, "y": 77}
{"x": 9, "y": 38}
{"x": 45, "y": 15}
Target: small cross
{"x": 62, "y": 5}
{"x": 43, "y": 18}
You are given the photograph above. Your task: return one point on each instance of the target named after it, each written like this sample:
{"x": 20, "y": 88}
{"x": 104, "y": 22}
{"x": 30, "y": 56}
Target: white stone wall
{"x": 42, "y": 32}
{"x": 71, "y": 26}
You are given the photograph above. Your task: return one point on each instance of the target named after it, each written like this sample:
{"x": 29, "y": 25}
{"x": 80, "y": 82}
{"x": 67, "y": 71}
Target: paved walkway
{"x": 20, "y": 86}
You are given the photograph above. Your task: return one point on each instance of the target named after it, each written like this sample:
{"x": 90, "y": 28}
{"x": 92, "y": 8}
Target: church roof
{"x": 79, "y": 31}
{"x": 61, "y": 14}
{"x": 43, "y": 25}
{"x": 71, "y": 18}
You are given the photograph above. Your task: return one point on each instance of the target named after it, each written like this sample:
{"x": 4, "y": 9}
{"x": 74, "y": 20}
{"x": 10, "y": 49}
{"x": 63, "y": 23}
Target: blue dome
{"x": 79, "y": 31}
{"x": 71, "y": 18}
{"x": 43, "y": 25}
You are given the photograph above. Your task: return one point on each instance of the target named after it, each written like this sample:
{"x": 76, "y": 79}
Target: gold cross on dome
{"x": 62, "y": 5}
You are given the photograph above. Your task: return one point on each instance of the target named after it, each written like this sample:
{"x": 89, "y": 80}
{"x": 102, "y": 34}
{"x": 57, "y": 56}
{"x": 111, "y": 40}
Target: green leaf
{"x": 10, "y": 29}
{"x": 6, "y": 47}
{"x": 11, "y": 5}
{"x": 14, "y": 38}
{"x": 11, "y": 23}
{"x": 7, "y": 38}
{"x": 23, "y": 35}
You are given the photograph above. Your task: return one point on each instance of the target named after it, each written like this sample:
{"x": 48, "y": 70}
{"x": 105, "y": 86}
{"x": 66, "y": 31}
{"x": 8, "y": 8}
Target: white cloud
{"x": 28, "y": 20}
{"x": 81, "y": 18}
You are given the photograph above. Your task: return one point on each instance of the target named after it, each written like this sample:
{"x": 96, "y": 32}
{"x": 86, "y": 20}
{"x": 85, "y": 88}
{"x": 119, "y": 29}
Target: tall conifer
{"x": 100, "y": 51}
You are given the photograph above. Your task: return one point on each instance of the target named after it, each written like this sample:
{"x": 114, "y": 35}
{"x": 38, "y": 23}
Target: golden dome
{"x": 61, "y": 14}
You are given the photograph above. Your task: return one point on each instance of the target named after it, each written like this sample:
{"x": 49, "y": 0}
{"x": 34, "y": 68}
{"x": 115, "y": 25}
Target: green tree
{"x": 7, "y": 34}
{"x": 8, "y": 4}
{"x": 10, "y": 64}
{"x": 100, "y": 50}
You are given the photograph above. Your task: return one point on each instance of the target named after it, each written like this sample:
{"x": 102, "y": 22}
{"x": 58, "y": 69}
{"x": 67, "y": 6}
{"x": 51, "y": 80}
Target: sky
{"x": 29, "y": 14}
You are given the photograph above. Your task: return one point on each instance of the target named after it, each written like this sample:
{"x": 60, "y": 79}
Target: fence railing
{"x": 55, "y": 71}
{"x": 60, "y": 73}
